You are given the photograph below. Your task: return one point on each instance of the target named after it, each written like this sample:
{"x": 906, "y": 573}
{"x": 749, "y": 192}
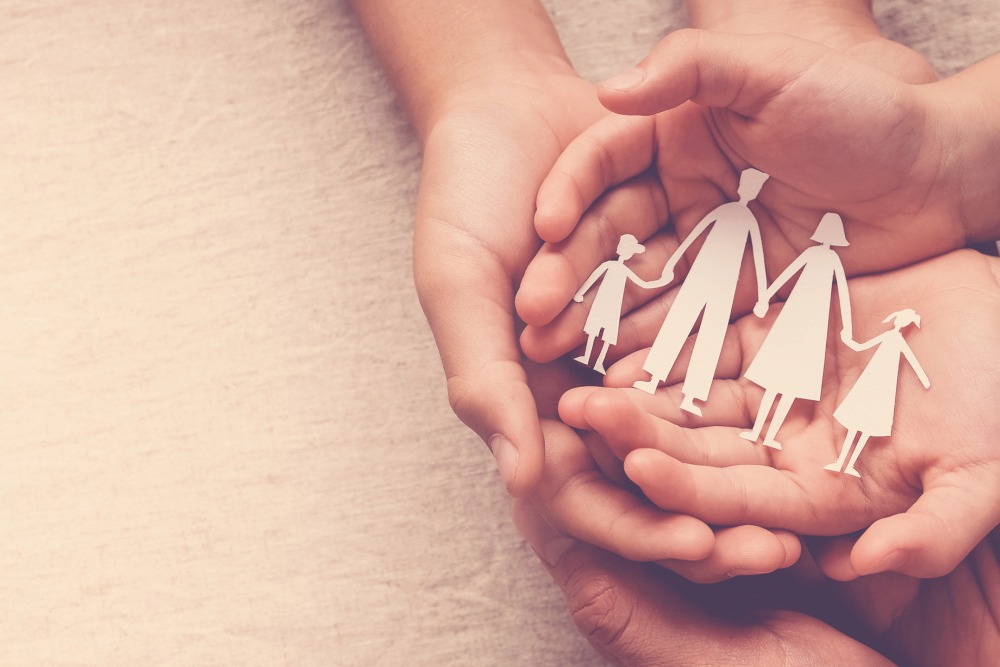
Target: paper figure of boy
{"x": 708, "y": 290}
{"x": 869, "y": 407}
{"x": 790, "y": 362}
{"x": 606, "y": 311}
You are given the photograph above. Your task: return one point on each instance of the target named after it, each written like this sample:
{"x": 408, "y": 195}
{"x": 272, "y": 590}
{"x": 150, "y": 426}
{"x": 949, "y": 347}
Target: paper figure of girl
{"x": 605, "y": 313}
{"x": 790, "y": 362}
{"x": 707, "y": 292}
{"x": 869, "y": 406}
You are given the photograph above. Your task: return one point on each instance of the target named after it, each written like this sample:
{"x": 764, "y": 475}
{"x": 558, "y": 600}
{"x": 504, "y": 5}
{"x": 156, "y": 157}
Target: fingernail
{"x": 742, "y": 572}
{"x": 548, "y": 543}
{"x": 626, "y": 81}
{"x": 506, "y": 458}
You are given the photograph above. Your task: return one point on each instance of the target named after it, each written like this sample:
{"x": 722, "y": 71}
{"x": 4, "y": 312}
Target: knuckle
{"x": 600, "y": 611}
{"x": 464, "y": 398}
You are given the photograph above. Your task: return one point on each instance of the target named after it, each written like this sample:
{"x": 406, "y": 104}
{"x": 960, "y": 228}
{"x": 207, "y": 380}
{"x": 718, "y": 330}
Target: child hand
{"x": 583, "y": 495}
{"x": 834, "y": 133}
{"x": 927, "y": 494}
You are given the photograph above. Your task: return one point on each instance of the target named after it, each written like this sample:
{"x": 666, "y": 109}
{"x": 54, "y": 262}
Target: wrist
{"x": 838, "y": 24}
{"x": 499, "y": 78}
{"x": 969, "y": 168}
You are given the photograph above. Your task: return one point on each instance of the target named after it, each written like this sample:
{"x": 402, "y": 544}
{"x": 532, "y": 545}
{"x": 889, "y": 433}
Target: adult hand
{"x": 834, "y": 133}
{"x": 927, "y": 494}
{"x": 484, "y": 160}
{"x": 494, "y": 100}
{"x": 637, "y": 615}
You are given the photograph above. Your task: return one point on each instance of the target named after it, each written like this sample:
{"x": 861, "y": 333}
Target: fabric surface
{"x": 225, "y": 438}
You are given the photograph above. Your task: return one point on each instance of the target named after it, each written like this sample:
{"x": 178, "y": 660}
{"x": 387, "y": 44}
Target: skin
{"x": 835, "y": 133}
{"x": 483, "y": 84}
{"x": 927, "y": 494}
{"x": 638, "y": 615}
{"x": 494, "y": 101}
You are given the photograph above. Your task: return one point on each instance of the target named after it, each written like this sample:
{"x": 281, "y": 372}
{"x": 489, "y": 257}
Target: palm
{"x": 916, "y": 621}
{"x": 833, "y": 133}
{"x": 483, "y": 162}
{"x": 941, "y": 450}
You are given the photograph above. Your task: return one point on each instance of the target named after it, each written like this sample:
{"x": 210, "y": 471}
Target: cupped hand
{"x": 834, "y": 132}
{"x": 927, "y": 494}
{"x": 637, "y": 615}
{"x": 484, "y": 159}
{"x": 583, "y": 493}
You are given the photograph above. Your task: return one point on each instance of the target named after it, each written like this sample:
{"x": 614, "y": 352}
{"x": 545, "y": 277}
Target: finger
{"x": 640, "y": 328}
{"x": 740, "y": 72}
{"x": 637, "y": 207}
{"x": 741, "y": 551}
{"x": 579, "y": 500}
{"x": 468, "y": 301}
{"x": 625, "y": 426}
{"x": 938, "y": 531}
{"x": 565, "y": 331}
{"x": 635, "y": 615}
{"x": 608, "y": 153}
{"x": 833, "y": 556}
{"x": 742, "y": 494}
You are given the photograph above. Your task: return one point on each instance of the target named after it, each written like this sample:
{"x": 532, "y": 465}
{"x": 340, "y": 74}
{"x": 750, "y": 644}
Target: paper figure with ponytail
{"x": 869, "y": 407}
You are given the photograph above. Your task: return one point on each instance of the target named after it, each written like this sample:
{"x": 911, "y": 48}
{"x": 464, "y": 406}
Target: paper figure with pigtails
{"x": 605, "y": 313}
{"x": 708, "y": 292}
{"x": 869, "y": 407}
{"x": 790, "y": 363}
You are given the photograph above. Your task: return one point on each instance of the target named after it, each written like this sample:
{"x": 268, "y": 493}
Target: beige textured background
{"x": 224, "y": 438}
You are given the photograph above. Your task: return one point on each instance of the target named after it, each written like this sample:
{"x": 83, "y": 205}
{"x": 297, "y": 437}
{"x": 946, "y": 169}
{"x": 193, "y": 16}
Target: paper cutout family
{"x": 789, "y": 364}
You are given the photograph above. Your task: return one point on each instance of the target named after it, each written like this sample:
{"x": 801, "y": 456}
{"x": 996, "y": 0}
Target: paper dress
{"x": 869, "y": 407}
{"x": 790, "y": 361}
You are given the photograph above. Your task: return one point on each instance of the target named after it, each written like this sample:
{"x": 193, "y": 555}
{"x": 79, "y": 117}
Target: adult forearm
{"x": 436, "y": 51}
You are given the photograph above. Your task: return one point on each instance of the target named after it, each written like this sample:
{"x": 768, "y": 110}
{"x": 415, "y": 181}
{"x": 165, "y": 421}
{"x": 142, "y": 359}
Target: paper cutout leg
{"x": 670, "y": 339}
{"x": 837, "y": 465}
{"x": 869, "y": 407}
{"x": 784, "y": 405}
{"x": 585, "y": 357}
{"x": 705, "y": 355}
{"x": 862, "y": 441}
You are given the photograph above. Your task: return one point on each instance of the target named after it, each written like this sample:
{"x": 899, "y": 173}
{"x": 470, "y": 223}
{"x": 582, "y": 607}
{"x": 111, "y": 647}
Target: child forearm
{"x": 821, "y": 20}
{"x": 436, "y": 51}
{"x": 970, "y": 100}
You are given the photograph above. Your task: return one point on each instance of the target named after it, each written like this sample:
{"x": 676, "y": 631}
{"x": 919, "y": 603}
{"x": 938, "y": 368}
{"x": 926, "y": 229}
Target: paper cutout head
{"x": 903, "y": 318}
{"x": 830, "y": 230}
{"x": 751, "y": 181}
{"x": 628, "y": 245}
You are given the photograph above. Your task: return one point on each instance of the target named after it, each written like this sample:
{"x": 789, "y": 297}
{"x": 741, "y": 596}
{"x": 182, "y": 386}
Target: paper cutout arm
{"x": 861, "y": 347}
{"x": 757, "y": 250}
{"x": 598, "y": 272}
{"x": 917, "y": 368}
{"x": 699, "y": 229}
{"x": 648, "y": 284}
{"x": 765, "y": 300}
{"x": 840, "y": 280}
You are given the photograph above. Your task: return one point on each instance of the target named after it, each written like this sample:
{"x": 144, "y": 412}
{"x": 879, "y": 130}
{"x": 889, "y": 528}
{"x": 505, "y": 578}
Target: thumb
{"x": 469, "y": 306}
{"x": 618, "y": 605}
{"x": 739, "y": 72}
{"x": 639, "y": 615}
{"x": 936, "y": 533}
